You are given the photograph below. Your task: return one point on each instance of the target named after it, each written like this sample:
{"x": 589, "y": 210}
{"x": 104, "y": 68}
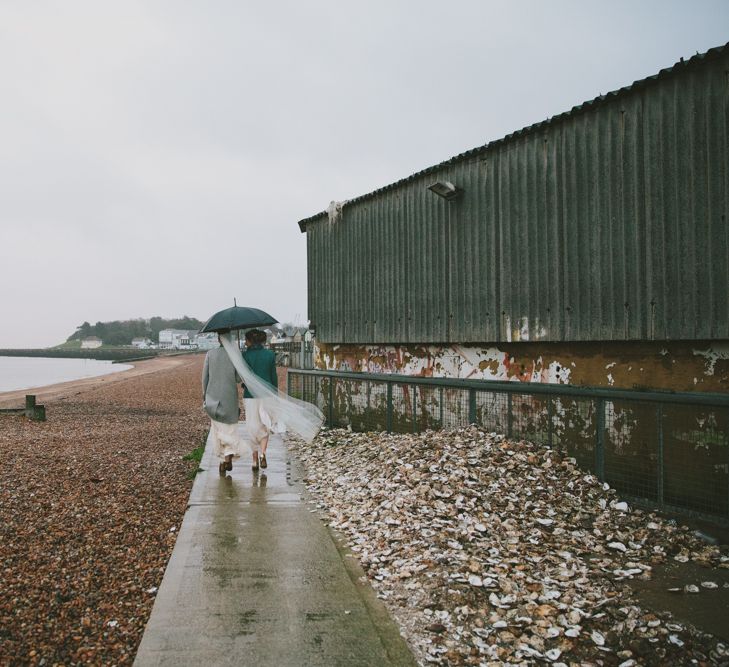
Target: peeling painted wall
{"x": 693, "y": 366}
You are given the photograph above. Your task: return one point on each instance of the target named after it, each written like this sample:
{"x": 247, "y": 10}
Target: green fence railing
{"x": 669, "y": 450}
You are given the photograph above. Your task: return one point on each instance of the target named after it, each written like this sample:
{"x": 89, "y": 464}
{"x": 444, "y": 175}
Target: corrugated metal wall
{"x": 609, "y": 224}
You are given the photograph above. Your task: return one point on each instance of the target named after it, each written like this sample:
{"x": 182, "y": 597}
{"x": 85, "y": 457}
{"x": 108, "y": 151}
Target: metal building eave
{"x": 681, "y": 65}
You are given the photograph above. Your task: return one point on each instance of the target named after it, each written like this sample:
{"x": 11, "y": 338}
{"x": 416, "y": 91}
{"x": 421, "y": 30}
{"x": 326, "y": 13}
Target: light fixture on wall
{"x": 445, "y": 189}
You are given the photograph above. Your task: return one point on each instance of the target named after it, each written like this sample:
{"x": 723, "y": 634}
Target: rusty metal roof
{"x": 580, "y": 108}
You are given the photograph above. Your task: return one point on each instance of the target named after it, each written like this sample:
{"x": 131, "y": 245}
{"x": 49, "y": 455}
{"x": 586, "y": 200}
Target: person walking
{"x": 263, "y": 363}
{"x": 220, "y": 401}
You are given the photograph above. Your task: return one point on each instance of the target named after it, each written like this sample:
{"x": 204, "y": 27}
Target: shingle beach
{"x": 90, "y": 502}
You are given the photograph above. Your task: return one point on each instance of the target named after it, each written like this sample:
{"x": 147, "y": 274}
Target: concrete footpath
{"x": 256, "y": 578}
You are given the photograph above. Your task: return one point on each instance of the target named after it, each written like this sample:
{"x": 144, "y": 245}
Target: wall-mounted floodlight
{"x": 445, "y": 189}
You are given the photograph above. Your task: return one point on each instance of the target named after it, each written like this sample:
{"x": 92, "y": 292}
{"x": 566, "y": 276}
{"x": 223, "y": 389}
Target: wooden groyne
{"x": 31, "y": 410}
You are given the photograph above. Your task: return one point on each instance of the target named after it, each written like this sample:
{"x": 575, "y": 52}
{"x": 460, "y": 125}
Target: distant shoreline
{"x": 72, "y": 387}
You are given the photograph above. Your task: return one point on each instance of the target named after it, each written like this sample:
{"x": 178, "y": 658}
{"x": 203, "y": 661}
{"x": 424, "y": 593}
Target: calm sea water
{"x": 27, "y": 372}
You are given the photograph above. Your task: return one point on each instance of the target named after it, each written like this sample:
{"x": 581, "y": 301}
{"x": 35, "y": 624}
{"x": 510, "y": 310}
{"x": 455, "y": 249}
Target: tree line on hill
{"x": 121, "y": 332}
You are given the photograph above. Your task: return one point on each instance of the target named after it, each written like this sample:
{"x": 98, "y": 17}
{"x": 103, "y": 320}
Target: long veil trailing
{"x": 286, "y": 413}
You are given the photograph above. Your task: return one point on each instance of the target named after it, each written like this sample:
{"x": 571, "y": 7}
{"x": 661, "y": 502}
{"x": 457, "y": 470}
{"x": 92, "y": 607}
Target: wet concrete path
{"x": 255, "y": 578}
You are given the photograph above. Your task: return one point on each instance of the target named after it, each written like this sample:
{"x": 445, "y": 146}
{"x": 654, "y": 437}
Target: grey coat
{"x": 220, "y": 387}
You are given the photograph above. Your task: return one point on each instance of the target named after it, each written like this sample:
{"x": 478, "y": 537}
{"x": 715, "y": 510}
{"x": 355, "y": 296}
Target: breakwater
{"x": 100, "y": 354}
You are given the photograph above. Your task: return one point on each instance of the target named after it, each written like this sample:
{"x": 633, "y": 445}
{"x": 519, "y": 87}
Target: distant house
{"x": 290, "y": 334}
{"x": 206, "y": 341}
{"x": 302, "y": 333}
{"x": 167, "y": 338}
{"x": 141, "y": 343}
{"x": 91, "y": 343}
{"x": 178, "y": 339}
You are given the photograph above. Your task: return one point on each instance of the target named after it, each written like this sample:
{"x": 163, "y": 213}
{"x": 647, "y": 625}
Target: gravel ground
{"x": 90, "y": 502}
{"x": 490, "y": 551}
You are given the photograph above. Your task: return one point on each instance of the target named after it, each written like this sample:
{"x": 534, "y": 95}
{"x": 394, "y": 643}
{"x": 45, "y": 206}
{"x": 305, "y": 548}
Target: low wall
{"x": 99, "y": 353}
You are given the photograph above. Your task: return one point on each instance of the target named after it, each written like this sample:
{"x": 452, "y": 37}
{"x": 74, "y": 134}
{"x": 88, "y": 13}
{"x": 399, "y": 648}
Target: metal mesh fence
{"x": 673, "y": 455}
{"x": 632, "y": 448}
{"x": 696, "y": 459}
{"x": 577, "y": 429}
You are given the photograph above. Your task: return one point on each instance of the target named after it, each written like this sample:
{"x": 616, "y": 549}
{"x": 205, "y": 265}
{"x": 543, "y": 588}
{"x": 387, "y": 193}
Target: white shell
{"x": 475, "y": 580}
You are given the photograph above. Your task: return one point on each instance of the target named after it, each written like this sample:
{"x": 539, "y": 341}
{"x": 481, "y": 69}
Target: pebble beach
{"x": 90, "y": 502}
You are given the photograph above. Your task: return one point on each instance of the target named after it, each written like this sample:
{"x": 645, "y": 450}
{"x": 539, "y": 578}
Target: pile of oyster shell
{"x": 491, "y": 551}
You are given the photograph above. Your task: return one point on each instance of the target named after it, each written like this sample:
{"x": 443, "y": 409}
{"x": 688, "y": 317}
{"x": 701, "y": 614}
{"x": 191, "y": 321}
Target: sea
{"x": 27, "y": 372}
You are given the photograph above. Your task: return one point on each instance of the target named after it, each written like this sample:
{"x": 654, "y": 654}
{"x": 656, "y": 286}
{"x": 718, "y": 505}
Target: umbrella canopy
{"x": 238, "y": 317}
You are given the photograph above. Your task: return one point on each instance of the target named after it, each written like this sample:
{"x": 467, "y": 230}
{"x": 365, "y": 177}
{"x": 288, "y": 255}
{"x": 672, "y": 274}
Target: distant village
{"x": 186, "y": 339}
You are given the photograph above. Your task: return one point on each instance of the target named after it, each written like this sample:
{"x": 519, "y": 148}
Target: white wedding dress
{"x": 278, "y": 412}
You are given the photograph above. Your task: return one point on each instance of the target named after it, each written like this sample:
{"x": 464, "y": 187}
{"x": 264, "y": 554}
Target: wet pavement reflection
{"x": 255, "y": 578}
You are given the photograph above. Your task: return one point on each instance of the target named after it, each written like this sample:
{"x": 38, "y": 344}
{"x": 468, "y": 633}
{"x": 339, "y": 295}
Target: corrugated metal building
{"x": 607, "y": 223}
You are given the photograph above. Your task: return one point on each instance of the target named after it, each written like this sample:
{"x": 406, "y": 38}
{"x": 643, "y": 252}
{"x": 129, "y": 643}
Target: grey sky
{"x": 156, "y": 156}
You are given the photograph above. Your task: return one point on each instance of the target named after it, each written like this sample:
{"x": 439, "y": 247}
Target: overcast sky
{"x": 155, "y": 156}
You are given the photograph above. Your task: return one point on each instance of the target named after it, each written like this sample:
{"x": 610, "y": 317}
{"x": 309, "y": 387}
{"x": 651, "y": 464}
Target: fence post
{"x": 302, "y": 351}
{"x": 415, "y": 407}
{"x": 330, "y": 409}
{"x": 600, "y": 440}
{"x": 441, "y": 408}
{"x": 509, "y": 416}
{"x": 389, "y": 407}
{"x": 550, "y": 418}
{"x": 288, "y": 381}
{"x": 471, "y": 406}
{"x": 659, "y": 424}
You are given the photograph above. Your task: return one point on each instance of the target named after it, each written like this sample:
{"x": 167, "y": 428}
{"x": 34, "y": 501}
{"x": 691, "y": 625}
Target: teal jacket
{"x": 263, "y": 364}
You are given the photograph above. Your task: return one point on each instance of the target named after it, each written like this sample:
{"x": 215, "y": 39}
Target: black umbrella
{"x": 238, "y": 317}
